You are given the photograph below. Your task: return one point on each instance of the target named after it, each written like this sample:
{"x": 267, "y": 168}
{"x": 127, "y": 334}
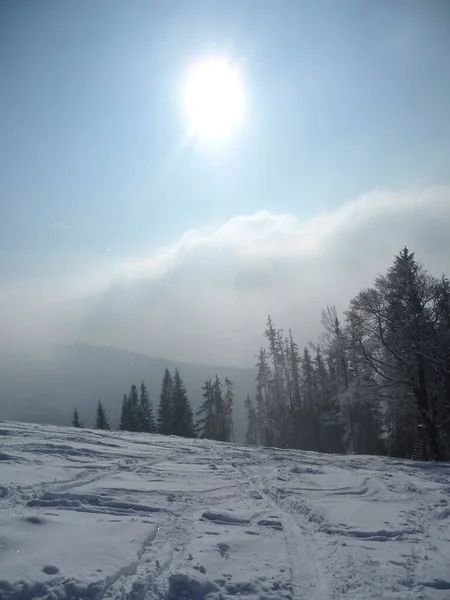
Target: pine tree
{"x": 206, "y": 425}
{"x": 294, "y": 362}
{"x": 145, "y": 410}
{"x": 293, "y": 380}
{"x": 76, "y": 419}
{"x": 228, "y": 410}
{"x": 101, "y": 420}
{"x": 219, "y": 410}
{"x": 340, "y": 428}
{"x": 216, "y": 413}
{"x": 309, "y": 383}
{"x": 365, "y": 399}
{"x": 277, "y": 384}
{"x": 165, "y": 413}
{"x": 183, "y": 424}
{"x": 125, "y": 416}
{"x": 251, "y": 437}
{"x": 306, "y": 423}
{"x": 133, "y": 398}
{"x": 266, "y": 435}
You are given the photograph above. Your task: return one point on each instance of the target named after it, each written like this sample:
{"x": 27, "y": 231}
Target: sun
{"x": 214, "y": 98}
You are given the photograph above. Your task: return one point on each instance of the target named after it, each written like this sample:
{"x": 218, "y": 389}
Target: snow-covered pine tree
{"x": 145, "y": 410}
{"x": 101, "y": 420}
{"x": 183, "y": 423}
{"x": 76, "y": 419}
{"x": 165, "y": 412}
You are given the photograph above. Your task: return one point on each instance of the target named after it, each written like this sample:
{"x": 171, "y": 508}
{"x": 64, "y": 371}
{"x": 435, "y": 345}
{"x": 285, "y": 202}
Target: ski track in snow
{"x": 89, "y": 515}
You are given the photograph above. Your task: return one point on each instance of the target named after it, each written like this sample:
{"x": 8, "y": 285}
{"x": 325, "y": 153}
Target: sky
{"x": 116, "y": 228}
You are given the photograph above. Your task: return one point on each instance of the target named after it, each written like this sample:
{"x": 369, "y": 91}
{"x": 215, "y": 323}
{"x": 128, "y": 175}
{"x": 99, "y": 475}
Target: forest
{"x": 376, "y": 381}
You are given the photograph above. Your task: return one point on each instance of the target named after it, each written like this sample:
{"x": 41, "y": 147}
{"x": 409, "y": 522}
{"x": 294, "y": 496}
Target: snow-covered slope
{"x": 89, "y": 514}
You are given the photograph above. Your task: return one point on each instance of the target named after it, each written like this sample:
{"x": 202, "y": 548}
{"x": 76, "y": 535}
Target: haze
{"x": 116, "y": 230}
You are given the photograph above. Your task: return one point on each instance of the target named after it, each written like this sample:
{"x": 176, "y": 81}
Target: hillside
{"x": 45, "y": 390}
{"x": 89, "y": 514}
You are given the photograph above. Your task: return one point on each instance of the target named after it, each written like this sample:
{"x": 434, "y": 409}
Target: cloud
{"x": 206, "y": 297}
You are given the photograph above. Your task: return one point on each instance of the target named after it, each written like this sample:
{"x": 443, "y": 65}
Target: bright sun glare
{"x": 214, "y": 98}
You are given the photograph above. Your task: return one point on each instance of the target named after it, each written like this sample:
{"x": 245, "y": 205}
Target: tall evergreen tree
{"x": 251, "y": 436}
{"x": 76, "y": 419}
{"x": 126, "y": 420}
{"x": 309, "y": 382}
{"x": 216, "y": 413}
{"x": 340, "y": 428}
{"x": 134, "y": 414}
{"x": 308, "y": 433}
{"x": 228, "y": 410}
{"x": 219, "y": 409}
{"x": 266, "y": 434}
{"x": 101, "y": 420}
{"x": 207, "y": 425}
{"x": 165, "y": 413}
{"x": 277, "y": 384}
{"x": 145, "y": 410}
{"x": 294, "y": 361}
{"x": 183, "y": 423}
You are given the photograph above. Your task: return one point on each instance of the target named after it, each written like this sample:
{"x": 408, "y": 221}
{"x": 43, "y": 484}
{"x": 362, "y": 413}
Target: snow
{"x": 93, "y": 514}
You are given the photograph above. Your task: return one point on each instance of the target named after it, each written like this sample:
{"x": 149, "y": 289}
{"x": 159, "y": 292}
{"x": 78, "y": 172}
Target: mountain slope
{"x": 89, "y": 514}
{"x": 46, "y": 390}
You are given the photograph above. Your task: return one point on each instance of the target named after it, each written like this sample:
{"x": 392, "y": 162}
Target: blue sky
{"x": 346, "y": 134}
{"x": 344, "y": 97}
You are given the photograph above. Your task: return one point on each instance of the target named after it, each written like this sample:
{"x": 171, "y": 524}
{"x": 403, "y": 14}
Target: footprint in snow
{"x": 34, "y": 520}
{"x": 223, "y": 549}
{"x": 277, "y": 525}
{"x": 223, "y": 519}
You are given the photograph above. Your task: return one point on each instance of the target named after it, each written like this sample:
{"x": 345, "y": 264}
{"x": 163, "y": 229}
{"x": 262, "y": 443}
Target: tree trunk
{"x": 433, "y": 446}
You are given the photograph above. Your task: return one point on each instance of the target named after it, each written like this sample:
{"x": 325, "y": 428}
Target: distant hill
{"x": 46, "y": 389}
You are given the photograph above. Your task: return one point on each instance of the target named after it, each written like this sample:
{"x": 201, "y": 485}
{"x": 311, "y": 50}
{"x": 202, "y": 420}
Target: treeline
{"x": 375, "y": 382}
{"x": 174, "y": 414}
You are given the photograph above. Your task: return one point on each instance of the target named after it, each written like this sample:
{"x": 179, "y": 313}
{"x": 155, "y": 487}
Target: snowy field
{"x": 91, "y": 514}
